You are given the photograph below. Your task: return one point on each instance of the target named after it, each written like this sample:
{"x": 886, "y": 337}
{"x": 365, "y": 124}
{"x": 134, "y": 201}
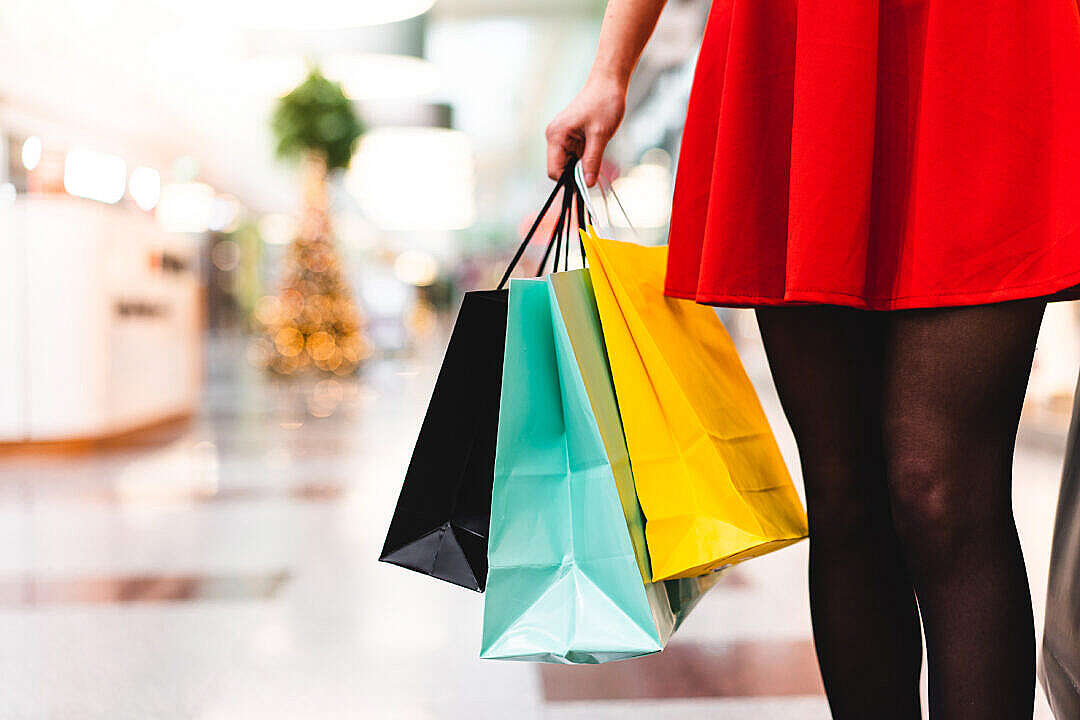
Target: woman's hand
{"x": 589, "y": 121}
{"x": 585, "y": 126}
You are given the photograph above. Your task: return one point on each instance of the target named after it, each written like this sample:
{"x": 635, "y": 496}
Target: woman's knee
{"x": 942, "y": 501}
{"x": 922, "y": 496}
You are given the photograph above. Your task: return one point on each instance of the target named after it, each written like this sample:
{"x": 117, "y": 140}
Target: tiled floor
{"x": 228, "y": 572}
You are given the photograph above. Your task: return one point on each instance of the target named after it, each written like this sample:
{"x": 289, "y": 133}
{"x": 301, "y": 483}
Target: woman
{"x": 893, "y": 185}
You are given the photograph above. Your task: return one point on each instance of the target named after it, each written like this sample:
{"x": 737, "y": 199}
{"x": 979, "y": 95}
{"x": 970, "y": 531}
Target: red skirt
{"x": 880, "y": 154}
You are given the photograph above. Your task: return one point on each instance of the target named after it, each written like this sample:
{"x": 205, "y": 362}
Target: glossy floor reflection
{"x": 227, "y": 571}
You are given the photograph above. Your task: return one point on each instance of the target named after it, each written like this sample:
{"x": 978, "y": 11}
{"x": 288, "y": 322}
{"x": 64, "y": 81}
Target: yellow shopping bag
{"x": 708, "y": 473}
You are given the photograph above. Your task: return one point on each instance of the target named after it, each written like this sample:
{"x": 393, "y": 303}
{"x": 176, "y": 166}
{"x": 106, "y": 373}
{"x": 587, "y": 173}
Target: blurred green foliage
{"x": 317, "y": 116}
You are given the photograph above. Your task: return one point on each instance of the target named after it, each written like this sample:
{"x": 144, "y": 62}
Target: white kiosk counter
{"x": 100, "y": 321}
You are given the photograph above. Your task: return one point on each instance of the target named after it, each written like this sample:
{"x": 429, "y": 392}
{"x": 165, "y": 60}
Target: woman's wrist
{"x": 609, "y": 76}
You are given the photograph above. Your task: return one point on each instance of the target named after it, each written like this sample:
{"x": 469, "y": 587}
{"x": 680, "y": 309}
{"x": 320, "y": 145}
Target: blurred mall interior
{"x": 192, "y": 501}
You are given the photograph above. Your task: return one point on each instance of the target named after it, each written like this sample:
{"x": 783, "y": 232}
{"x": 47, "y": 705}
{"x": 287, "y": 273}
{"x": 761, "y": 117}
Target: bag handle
{"x": 559, "y": 185}
{"x": 556, "y": 239}
{"x": 571, "y": 197}
{"x": 563, "y": 223}
{"x": 579, "y": 179}
{"x": 575, "y": 209}
{"x": 582, "y": 224}
{"x": 571, "y": 208}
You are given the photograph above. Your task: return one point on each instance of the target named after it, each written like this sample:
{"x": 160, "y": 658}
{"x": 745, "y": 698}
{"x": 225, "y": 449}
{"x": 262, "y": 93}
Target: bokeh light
{"x": 144, "y": 186}
{"x": 95, "y": 175}
{"x": 31, "y": 152}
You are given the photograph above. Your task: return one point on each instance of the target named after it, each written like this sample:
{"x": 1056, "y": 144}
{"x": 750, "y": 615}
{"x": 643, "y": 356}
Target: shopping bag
{"x": 568, "y": 567}
{"x": 440, "y": 525}
{"x": 709, "y": 476}
{"x": 1059, "y": 669}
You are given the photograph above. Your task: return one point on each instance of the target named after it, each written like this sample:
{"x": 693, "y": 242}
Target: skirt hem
{"x": 1061, "y": 288}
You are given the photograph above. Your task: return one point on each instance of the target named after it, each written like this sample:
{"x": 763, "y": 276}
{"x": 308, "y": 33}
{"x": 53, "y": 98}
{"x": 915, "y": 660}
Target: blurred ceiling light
{"x": 364, "y": 76}
{"x": 277, "y": 228}
{"x": 416, "y": 267}
{"x": 31, "y": 152}
{"x": 185, "y": 207}
{"x": 95, "y": 175}
{"x": 301, "y": 16}
{"x": 645, "y": 191}
{"x": 418, "y": 178}
{"x": 379, "y": 76}
{"x": 7, "y": 193}
{"x": 225, "y": 213}
{"x": 144, "y": 186}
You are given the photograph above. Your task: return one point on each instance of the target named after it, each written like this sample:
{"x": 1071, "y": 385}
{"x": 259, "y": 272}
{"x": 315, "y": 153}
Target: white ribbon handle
{"x": 579, "y": 178}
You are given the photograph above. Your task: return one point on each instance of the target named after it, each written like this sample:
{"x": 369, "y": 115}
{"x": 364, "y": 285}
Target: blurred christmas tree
{"x": 313, "y": 322}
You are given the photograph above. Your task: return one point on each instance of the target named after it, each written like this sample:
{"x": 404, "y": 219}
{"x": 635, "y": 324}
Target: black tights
{"x": 906, "y": 423}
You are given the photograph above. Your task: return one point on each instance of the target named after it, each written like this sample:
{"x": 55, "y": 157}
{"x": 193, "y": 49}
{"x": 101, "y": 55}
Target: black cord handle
{"x": 532, "y": 231}
{"x": 571, "y": 197}
{"x": 553, "y": 239}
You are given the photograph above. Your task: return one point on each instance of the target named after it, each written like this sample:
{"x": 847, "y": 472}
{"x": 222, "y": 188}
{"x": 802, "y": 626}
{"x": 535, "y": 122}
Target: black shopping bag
{"x": 440, "y": 525}
{"x": 1060, "y": 666}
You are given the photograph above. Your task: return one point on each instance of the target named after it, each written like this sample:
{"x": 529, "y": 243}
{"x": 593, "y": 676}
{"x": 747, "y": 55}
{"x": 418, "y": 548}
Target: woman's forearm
{"x": 584, "y": 126}
{"x": 624, "y": 32}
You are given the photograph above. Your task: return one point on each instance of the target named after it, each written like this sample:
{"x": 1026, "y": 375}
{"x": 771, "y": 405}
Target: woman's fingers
{"x": 556, "y": 159}
{"x": 558, "y": 148}
{"x": 584, "y": 128}
{"x": 563, "y": 142}
{"x": 595, "y": 142}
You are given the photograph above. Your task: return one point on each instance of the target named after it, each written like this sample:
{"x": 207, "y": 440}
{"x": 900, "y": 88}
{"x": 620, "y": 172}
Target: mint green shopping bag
{"x": 567, "y": 562}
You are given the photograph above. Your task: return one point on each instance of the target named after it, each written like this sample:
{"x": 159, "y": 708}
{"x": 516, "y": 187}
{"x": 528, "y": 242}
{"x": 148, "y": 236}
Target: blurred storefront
{"x": 151, "y": 121}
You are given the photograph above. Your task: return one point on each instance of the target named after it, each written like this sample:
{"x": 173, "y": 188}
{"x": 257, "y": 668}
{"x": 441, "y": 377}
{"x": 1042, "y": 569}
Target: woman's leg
{"x": 954, "y": 384}
{"x": 827, "y": 365}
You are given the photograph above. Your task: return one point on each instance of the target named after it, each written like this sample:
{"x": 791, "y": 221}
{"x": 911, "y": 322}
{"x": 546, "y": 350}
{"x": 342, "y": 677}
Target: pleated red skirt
{"x": 880, "y": 154}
